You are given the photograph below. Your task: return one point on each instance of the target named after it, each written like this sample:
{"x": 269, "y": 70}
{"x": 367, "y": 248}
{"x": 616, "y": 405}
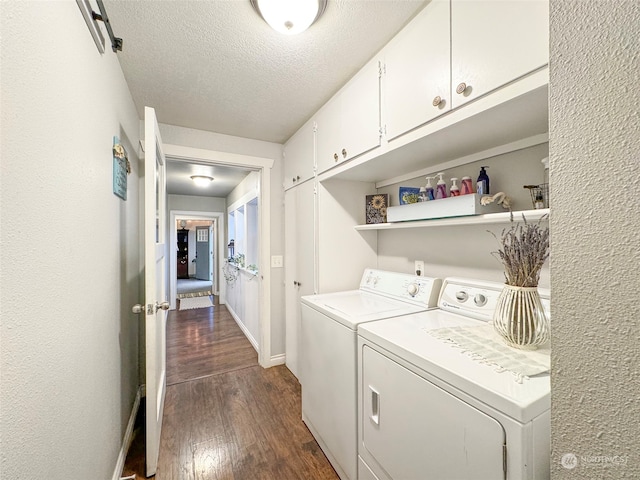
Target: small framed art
{"x": 376, "y": 208}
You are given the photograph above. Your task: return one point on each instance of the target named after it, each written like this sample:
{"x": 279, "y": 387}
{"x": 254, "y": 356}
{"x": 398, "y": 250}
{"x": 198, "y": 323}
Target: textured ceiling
{"x": 216, "y": 65}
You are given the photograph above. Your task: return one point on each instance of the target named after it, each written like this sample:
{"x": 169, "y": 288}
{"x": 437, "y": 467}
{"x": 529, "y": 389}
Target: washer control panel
{"x": 418, "y": 290}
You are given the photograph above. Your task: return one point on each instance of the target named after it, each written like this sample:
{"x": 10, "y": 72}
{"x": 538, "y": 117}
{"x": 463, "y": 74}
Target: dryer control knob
{"x": 413, "y": 289}
{"x": 480, "y": 300}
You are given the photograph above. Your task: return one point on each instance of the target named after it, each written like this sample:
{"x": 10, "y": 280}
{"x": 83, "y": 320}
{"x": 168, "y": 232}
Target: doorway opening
{"x": 262, "y": 281}
{"x": 194, "y": 267}
{"x": 195, "y": 258}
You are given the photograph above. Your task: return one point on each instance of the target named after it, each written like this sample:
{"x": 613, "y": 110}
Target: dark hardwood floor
{"x": 225, "y": 417}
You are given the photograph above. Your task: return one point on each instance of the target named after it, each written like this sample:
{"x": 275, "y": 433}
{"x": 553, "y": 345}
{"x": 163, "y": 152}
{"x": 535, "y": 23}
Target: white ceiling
{"x": 225, "y": 179}
{"x": 215, "y": 65}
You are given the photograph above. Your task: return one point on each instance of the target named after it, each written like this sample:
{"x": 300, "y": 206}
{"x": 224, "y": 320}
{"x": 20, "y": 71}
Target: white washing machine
{"x": 428, "y": 410}
{"x": 328, "y": 355}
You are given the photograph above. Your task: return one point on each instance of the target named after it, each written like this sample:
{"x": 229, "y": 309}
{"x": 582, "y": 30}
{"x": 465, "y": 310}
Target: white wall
{"x": 243, "y": 295}
{"x": 595, "y": 235}
{"x": 69, "y": 342}
{"x": 224, "y": 143}
{"x": 193, "y": 203}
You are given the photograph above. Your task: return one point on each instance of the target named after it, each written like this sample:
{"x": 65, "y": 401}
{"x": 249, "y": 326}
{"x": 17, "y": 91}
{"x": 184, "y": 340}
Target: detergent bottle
{"x": 482, "y": 187}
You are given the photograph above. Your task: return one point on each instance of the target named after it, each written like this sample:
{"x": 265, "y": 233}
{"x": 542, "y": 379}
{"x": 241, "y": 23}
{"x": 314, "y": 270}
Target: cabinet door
{"x": 414, "y": 429}
{"x": 328, "y": 135}
{"x": 495, "y": 42}
{"x": 360, "y": 113}
{"x": 299, "y": 207}
{"x": 299, "y": 159}
{"x": 349, "y": 124}
{"x": 417, "y": 71}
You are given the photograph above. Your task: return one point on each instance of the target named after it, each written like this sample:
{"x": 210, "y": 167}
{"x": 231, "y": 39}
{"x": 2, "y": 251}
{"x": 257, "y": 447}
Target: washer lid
{"x": 356, "y": 306}
{"x": 408, "y": 338}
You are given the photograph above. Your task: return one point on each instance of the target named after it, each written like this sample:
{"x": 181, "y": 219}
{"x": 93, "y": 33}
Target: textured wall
{"x": 70, "y": 248}
{"x": 595, "y": 177}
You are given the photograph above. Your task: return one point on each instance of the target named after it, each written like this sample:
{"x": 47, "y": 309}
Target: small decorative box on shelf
{"x": 460, "y": 206}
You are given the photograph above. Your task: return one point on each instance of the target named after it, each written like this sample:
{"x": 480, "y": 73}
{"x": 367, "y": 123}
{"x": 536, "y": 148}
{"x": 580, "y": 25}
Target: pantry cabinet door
{"x": 299, "y": 262}
{"x": 494, "y": 42}
{"x": 299, "y": 156}
{"x": 417, "y": 71}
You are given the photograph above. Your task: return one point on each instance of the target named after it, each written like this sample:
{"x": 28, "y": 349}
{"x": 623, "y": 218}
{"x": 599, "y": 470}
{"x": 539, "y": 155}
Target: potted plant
{"x": 519, "y": 317}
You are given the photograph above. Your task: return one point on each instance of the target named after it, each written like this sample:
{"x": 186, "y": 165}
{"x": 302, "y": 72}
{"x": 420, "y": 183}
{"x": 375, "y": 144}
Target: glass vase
{"x": 520, "y": 319}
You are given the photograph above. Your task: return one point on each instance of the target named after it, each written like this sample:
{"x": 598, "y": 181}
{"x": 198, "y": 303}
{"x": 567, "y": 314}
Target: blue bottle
{"x": 441, "y": 187}
{"x": 429, "y": 189}
{"x": 482, "y": 187}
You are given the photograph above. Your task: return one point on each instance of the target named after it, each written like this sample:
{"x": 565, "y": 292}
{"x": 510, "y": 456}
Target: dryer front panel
{"x": 415, "y": 430}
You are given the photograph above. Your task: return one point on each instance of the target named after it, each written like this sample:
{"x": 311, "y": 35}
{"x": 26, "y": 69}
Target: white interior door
{"x": 155, "y": 214}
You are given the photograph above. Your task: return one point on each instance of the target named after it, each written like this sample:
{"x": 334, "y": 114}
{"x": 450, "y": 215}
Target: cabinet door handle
{"x": 375, "y": 406}
{"x": 297, "y": 177}
{"x": 335, "y": 157}
{"x": 293, "y": 179}
{"x": 461, "y": 88}
{"x": 344, "y": 153}
{"x": 437, "y": 101}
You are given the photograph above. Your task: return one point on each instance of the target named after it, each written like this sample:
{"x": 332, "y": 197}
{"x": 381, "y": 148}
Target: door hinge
{"x": 315, "y": 127}
{"x": 504, "y": 460}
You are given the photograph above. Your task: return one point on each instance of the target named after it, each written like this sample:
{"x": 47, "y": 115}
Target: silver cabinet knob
{"x": 460, "y": 89}
{"x": 137, "y": 308}
{"x": 335, "y": 157}
{"x": 437, "y": 101}
{"x": 344, "y": 153}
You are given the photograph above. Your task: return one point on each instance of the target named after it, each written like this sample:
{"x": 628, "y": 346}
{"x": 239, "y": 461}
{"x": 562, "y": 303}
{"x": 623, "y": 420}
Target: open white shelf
{"x": 487, "y": 218}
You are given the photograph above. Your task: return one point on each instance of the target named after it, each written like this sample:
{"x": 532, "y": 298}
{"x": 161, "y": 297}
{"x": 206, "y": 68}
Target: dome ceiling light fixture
{"x": 289, "y": 16}
{"x": 201, "y": 180}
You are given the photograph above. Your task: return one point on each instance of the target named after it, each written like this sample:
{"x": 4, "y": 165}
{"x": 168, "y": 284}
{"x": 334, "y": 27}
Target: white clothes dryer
{"x": 429, "y": 410}
{"x": 328, "y": 357}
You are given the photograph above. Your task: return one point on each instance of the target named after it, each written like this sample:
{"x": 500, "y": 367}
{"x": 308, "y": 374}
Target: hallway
{"x": 226, "y": 417}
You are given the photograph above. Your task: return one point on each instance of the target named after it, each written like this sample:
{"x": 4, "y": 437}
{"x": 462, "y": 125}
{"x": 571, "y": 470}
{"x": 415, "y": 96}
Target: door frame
{"x": 262, "y": 165}
{"x": 218, "y": 219}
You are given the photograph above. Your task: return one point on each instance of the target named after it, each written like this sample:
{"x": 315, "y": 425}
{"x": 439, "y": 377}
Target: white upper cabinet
{"x": 495, "y": 42}
{"x": 417, "y": 71}
{"x": 349, "y": 124}
{"x": 299, "y": 159}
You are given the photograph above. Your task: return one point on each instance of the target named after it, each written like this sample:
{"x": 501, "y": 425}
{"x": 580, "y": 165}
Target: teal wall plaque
{"x": 120, "y": 169}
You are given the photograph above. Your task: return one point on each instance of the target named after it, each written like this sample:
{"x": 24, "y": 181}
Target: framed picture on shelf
{"x": 376, "y": 208}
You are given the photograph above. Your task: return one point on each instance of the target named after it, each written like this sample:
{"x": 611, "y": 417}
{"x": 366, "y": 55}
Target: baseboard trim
{"x": 277, "y": 360}
{"x": 244, "y": 329}
{"x": 128, "y": 436}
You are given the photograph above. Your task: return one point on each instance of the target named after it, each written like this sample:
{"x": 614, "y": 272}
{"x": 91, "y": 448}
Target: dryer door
{"x": 413, "y": 429}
